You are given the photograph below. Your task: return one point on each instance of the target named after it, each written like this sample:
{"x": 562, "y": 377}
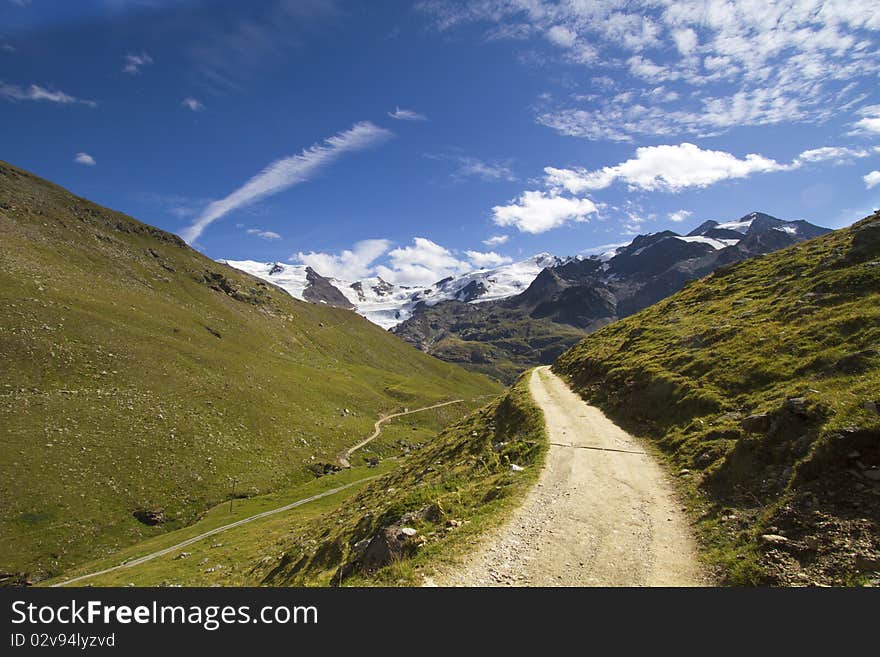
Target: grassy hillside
{"x": 761, "y": 383}
{"x": 493, "y": 338}
{"x": 449, "y": 490}
{"x": 140, "y": 375}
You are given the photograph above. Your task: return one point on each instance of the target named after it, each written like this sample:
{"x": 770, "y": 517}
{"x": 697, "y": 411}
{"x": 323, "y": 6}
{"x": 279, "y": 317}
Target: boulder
{"x": 429, "y": 513}
{"x": 758, "y": 423}
{"x": 150, "y": 516}
{"x": 796, "y": 406}
{"x": 387, "y": 545}
{"x": 773, "y": 540}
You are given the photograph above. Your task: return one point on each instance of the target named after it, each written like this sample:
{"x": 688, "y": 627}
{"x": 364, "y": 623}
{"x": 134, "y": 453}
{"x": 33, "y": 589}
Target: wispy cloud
{"x": 835, "y": 154}
{"x": 287, "y": 172}
{"x": 263, "y": 234}
{"x": 35, "y": 92}
{"x": 467, "y": 166}
{"x": 84, "y": 158}
{"x": 733, "y": 65}
{"x": 472, "y": 167}
{"x": 407, "y": 115}
{"x": 872, "y": 179}
{"x": 134, "y": 63}
{"x": 238, "y": 43}
{"x": 496, "y": 240}
{"x": 679, "y": 216}
{"x": 192, "y": 104}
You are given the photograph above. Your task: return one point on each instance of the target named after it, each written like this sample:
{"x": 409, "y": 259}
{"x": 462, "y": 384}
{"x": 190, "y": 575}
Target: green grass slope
{"x": 491, "y": 338}
{"x": 136, "y": 373}
{"x": 449, "y": 490}
{"x": 761, "y": 383}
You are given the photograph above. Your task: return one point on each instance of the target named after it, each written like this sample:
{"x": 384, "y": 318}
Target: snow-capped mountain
{"x": 650, "y": 259}
{"x": 576, "y": 297}
{"x": 387, "y": 304}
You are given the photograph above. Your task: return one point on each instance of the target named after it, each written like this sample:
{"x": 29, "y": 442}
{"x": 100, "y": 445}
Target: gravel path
{"x": 602, "y": 514}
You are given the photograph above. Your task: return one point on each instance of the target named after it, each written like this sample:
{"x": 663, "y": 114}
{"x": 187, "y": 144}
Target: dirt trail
{"x": 377, "y": 429}
{"x": 602, "y": 514}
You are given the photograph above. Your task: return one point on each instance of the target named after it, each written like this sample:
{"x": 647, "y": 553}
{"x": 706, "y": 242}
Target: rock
{"x": 453, "y": 523}
{"x": 429, "y": 513}
{"x": 408, "y": 531}
{"x": 320, "y": 468}
{"x": 871, "y": 407}
{"x": 758, "y": 423}
{"x": 388, "y": 544}
{"x": 867, "y": 563}
{"x": 150, "y": 516}
{"x": 684, "y": 472}
{"x": 773, "y": 539}
{"x": 873, "y": 475}
{"x": 182, "y": 555}
{"x": 516, "y": 468}
{"x": 796, "y": 406}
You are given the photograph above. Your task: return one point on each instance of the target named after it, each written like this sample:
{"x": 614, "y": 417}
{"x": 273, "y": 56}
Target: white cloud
{"x": 561, "y": 36}
{"x": 263, "y": 234}
{"x": 685, "y": 40}
{"x": 496, "y": 240}
{"x": 538, "y": 212}
{"x": 872, "y": 179}
{"x": 738, "y": 63}
{"x": 36, "y": 92}
{"x": 84, "y": 158}
{"x": 423, "y": 263}
{"x": 667, "y": 167}
{"x": 472, "y": 167}
{"x": 406, "y": 115}
{"x": 837, "y": 154}
{"x": 193, "y": 104}
{"x": 679, "y": 216}
{"x": 870, "y": 123}
{"x": 287, "y": 172}
{"x": 134, "y": 63}
{"x": 349, "y": 265}
{"x": 483, "y": 260}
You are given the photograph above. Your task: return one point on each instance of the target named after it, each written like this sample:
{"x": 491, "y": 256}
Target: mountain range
{"x": 502, "y": 320}
{"x": 387, "y": 304}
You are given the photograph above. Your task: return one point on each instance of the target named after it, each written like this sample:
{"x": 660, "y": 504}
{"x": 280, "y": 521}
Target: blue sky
{"x": 400, "y": 138}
